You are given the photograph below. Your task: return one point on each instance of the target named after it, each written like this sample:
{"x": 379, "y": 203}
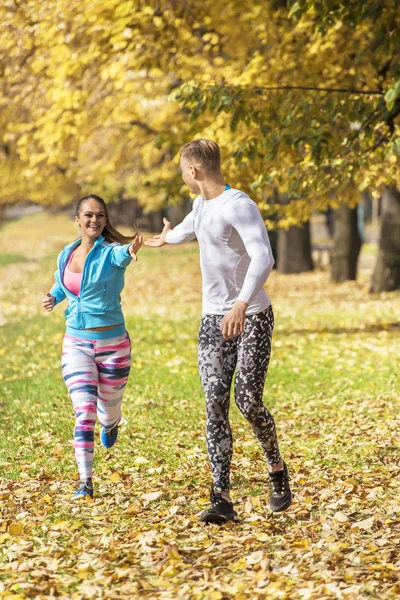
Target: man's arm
{"x": 247, "y": 221}
{"x": 184, "y": 232}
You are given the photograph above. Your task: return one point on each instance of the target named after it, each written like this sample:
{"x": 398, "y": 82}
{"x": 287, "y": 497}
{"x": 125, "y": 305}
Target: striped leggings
{"x": 95, "y": 372}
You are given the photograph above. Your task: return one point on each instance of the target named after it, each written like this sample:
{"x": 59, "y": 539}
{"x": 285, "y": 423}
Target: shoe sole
{"x": 283, "y": 507}
{"x": 80, "y": 496}
{"x": 219, "y": 519}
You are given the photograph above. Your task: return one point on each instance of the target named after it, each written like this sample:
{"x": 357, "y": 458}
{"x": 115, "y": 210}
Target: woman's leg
{"x": 113, "y": 359}
{"x": 80, "y": 375}
{"x": 253, "y": 358}
{"x": 217, "y": 360}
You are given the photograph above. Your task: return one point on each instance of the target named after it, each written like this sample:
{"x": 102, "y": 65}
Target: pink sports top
{"x": 72, "y": 281}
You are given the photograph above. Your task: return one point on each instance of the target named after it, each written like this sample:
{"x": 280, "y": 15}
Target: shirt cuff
{"x": 126, "y": 249}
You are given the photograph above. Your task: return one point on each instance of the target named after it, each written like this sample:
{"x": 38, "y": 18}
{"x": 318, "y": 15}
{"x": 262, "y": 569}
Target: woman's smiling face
{"x": 91, "y": 218}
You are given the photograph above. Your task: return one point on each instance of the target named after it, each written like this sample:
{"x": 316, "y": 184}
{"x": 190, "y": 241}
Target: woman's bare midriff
{"x": 105, "y": 328}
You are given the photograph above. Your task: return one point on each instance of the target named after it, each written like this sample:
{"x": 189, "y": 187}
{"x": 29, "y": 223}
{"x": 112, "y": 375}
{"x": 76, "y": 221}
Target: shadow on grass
{"x": 393, "y": 327}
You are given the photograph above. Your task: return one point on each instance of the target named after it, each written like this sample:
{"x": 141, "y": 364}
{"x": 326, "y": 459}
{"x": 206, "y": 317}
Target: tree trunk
{"x": 386, "y": 277}
{"x": 156, "y": 220}
{"x": 347, "y": 244}
{"x": 273, "y": 240}
{"x": 294, "y": 250}
{"x": 124, "y": 212}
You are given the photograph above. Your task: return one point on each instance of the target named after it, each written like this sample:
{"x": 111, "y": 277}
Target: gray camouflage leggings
{"x": 249, "y": 353}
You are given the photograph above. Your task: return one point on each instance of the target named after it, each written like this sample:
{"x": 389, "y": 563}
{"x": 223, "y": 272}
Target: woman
{"x": 96, "y": 355}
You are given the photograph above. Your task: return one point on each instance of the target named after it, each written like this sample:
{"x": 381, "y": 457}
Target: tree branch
{"x": 368, "y": 122}
{"x": 350, "y": 91}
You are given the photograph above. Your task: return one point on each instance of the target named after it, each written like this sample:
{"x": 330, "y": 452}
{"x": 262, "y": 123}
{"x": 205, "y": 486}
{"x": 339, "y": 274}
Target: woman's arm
{"x": 121, "y": 256}
{"x": 56, "y": 291}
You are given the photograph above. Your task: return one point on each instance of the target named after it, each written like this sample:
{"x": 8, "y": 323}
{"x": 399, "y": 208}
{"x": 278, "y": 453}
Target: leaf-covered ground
{"x": 333, "y": 389}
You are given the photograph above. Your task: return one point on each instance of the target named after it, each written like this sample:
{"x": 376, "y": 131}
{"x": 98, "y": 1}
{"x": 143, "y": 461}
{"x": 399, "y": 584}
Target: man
{"x": 237, "y": 323}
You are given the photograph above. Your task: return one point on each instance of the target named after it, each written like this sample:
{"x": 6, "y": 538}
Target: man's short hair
{"x": 203, "y": 153}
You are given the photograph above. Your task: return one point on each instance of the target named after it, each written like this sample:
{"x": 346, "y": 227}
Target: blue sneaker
{"x": 108, "y": 437}
{"x": 85, "y": 489}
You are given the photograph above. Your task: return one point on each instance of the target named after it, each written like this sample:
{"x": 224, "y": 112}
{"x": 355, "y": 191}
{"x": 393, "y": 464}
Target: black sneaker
{"x": 281, "y": 495}
{"x": 85, "y": 489}
{"x": 221, "y": 511}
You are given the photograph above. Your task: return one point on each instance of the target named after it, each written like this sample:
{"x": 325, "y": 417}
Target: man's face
{"x": 189, "y": 173}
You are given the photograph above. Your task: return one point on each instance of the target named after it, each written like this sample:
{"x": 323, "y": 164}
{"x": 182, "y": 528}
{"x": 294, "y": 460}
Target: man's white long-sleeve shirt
{"x": 235, "y": 253}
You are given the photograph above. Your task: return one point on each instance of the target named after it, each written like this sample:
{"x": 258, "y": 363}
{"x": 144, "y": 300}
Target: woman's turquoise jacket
{"x": 99, "y": 303}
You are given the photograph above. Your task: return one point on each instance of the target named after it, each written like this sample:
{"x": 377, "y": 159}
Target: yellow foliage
{"x": 103, "y": 95}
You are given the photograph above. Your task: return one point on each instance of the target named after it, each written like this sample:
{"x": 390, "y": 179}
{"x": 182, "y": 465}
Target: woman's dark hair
{"x": 109, "y": 232}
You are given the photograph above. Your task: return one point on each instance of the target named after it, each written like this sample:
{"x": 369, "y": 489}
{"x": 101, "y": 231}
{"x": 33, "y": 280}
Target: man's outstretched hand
{"x": 233, "y": 322}
{"x": 160, "y": 240}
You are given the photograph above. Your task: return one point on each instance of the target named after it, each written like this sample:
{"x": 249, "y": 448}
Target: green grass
{"x": 7, "y": 259}
{"x": 334, "y": 391}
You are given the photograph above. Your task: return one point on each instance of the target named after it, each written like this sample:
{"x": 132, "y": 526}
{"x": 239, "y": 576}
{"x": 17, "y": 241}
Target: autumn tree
{"x": 302, "y": 96}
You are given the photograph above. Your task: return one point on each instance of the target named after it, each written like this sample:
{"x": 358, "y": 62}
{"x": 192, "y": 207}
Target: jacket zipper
{"x": 78, "y": 298}
{"x": 82, "y": 281}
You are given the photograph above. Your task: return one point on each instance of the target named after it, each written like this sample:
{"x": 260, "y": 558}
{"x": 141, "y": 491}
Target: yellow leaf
{"x": 304, "y": 543}
{"x": 15, "y": 529}
{"x": 115, "y": 477}
{"x": 61, "y": 525}
{"x": 160, "y": 583}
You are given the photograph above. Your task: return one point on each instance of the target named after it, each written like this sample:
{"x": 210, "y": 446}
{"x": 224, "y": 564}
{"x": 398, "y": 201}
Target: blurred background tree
{"x": 303, "y": 98}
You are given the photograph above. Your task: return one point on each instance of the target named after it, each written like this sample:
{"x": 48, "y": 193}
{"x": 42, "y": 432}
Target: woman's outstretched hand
{"x": 135, "y": 246}
{"x": 48, "y": 302}
{"x": 160, "y": 240}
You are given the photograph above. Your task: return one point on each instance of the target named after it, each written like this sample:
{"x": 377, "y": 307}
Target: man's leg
{"x": 217, "y": 361}
{"x": 254, "y": 352}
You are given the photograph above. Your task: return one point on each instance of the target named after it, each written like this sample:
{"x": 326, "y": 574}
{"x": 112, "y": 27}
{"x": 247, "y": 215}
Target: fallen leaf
{"x": 255, "y": 557}
{"x": 151, "y": 496}
{"x": 303, "y": 543}
{"x": 340, "y": 517}
{"x": 140, "y": 460}
{"x": 15, "y": 529}
{"x": 366, "y": 524}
